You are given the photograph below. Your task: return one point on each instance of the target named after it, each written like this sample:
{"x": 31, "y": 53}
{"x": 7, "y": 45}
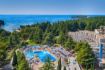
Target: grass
{"x": 30, "y": 42}
{"x": 57, "y": 45}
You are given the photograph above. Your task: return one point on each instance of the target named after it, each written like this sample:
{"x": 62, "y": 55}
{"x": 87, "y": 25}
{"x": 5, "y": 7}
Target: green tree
{"x": 69, "y": 44}
{"x": 78, "y": 46}
{"x": 1, "y": 23}
{"x": 82, "y": 25}
{"x": 23, "y": 65}
{"x": 85, "y": 55}
{"x": 91, "y": 26}
{"x": 61, "y": 38}
{"x": 2, "y": 53}
{"x": 13, "y": 40}
{"x": 22, "y": 62}
{"x": 59, "y": 67}
{"x": 74, "y": 26}
{"x": 48, "y": 39}
{"x": 14, "y": 62}
{"x": 64, "y": 68}
{"x": 37, "y": 36}
{"x": 48, "y": 65}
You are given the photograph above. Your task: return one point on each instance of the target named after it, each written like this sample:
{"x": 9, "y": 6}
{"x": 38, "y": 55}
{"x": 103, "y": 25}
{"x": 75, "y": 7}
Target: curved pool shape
{"x": 29, "y": 54}
{"x": 42, "y": 55}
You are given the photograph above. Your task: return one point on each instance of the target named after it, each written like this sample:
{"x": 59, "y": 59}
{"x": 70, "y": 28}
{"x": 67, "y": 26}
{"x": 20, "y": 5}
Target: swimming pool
{"x": 42, "y": 55}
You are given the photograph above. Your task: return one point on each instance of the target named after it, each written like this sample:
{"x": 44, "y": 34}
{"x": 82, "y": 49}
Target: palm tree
{"x": 48, "y": 65}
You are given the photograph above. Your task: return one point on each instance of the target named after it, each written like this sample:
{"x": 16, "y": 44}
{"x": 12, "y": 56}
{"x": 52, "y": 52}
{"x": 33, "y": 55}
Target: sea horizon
{"x": 13, "y": 22}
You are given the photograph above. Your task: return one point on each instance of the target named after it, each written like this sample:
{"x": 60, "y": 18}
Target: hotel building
{"x": 96, "y": 39}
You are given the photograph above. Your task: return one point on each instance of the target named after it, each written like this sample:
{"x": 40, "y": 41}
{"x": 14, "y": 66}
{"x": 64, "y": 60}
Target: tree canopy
{"x": 48, "y": 65}
{"x": 1, "y": 23}
{"x": 85, "y": 55}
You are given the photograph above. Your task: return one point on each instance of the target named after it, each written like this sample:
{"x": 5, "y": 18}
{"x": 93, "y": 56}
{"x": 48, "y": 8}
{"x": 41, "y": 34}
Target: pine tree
{"x": 59, "y": 67}
{"x": 14, "y": 62}
{"x": 64, "y": 68}
{"x": 48, "y": 39}
{"x": 1, "y": 23}
{"x": 22, "y": 62}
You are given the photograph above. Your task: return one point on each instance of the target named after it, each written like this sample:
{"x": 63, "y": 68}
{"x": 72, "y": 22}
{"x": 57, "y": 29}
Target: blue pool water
{"x": 29, "y": 54}
{"x": 42, "y": 55}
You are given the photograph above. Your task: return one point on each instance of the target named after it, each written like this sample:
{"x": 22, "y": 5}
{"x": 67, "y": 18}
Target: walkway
{"x": 73, "y": 64}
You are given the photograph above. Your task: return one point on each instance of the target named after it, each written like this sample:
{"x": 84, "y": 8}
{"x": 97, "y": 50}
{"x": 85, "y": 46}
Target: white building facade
{"x": 96, "y": 39}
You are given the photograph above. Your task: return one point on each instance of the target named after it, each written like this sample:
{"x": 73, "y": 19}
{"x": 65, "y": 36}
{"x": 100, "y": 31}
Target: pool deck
{"x": 57, "y": 52}
{"x": 35, "y": 66}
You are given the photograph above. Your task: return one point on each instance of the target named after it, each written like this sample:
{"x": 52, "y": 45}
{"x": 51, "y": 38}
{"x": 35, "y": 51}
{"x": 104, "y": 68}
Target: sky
{"x": 50, "y": 7}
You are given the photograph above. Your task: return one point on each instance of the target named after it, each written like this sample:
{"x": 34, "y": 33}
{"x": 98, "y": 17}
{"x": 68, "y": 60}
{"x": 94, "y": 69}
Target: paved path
{"x": 7, "y": 67}
{"x": 73, "y": 64}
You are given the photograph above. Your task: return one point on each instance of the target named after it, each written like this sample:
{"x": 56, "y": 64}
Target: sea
{"x": 13, "y": 22}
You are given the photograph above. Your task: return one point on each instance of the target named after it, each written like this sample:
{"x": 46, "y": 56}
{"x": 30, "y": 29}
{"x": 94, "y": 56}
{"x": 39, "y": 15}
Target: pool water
{"x": 29, "y": 54}
{"x": 42, "y": 55}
